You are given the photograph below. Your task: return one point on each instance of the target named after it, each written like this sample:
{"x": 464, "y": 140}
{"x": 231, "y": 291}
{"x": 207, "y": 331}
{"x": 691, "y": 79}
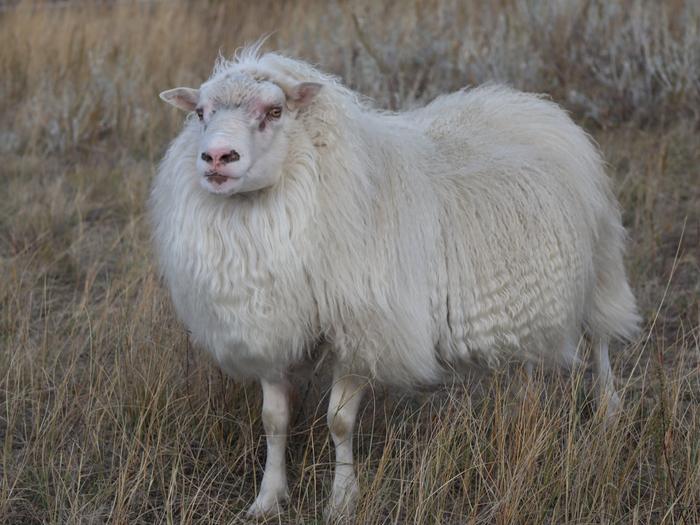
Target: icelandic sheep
{"x": 478, "y": 229}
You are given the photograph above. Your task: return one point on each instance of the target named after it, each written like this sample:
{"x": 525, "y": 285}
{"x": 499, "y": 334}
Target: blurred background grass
{"x": 107, "y": 414}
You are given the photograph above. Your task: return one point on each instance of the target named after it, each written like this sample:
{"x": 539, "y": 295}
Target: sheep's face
{"x": 244, "y": 129}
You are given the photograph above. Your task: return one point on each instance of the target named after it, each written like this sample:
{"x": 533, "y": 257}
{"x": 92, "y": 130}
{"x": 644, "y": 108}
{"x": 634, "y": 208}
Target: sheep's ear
{"x": 182, "y": 97}
{"x": 301, "y": 94}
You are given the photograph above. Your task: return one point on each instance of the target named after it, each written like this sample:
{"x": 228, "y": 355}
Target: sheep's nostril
{"x": 218, "y": 156}
{"x": 231, "y": 156}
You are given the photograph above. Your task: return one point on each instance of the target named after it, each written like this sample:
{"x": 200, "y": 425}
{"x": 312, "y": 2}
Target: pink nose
{"x": 218, "y": 156}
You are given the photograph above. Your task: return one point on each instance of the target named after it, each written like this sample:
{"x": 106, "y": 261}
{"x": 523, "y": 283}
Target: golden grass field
{"x": 108, "y": 415}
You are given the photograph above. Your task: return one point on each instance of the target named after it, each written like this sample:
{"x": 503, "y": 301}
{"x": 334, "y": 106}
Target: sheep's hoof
{"x": 341, "y": 507}
{"x": 267, "y": 504}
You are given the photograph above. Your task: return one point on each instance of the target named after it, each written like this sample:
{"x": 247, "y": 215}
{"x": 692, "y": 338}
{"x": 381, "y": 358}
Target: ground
{"x": 108, "y": 414}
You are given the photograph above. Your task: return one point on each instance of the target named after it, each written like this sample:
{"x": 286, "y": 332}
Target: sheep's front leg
{"x": 344, "y": 404}
{"x": 275, "y": 417}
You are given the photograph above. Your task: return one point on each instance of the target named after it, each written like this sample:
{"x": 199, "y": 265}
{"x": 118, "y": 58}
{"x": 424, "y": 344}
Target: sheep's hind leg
{"x": 605, "y": 380}
{"x": 275, "y": 415}
{"x": 527, "y": 378}
{"x": 346, "y": 394}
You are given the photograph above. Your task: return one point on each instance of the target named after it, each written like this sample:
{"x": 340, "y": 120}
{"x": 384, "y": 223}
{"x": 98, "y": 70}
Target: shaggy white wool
{"x": 477, "y": 229}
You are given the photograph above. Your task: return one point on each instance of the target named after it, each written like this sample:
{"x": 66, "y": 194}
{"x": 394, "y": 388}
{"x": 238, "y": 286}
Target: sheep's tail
{"x": 613, "y": 312}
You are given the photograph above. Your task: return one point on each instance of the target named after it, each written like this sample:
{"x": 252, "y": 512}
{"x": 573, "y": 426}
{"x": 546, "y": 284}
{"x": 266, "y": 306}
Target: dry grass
{"x": 107, "y": 415}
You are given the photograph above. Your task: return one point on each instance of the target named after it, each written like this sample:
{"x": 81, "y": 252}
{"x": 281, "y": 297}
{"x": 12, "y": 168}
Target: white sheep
{"x": 476, "y": 230}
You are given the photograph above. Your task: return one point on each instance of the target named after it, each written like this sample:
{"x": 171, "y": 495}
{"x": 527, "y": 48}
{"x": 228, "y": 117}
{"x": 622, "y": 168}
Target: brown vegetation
{"x": 106, "y": 414}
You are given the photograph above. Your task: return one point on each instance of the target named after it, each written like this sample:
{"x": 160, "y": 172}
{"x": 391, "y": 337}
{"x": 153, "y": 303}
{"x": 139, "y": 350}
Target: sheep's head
{"x": 245, "y": 124}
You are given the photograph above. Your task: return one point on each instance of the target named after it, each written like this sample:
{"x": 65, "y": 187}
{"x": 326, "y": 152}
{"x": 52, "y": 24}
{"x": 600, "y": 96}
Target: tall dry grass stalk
{"x": 107, "y": 414}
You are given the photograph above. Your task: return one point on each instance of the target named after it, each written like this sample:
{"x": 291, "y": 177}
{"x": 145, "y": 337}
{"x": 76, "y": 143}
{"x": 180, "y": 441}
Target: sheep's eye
{"x": 200, "y": 113}
{"x": 274, "y": 113}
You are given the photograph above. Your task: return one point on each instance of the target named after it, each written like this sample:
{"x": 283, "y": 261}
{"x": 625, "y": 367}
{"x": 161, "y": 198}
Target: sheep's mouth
{"x": 217, "y": 178}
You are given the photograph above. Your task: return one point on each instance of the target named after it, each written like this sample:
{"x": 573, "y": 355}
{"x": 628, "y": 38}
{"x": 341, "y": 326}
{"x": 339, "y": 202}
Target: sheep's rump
{"x": 505, "y": 242}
